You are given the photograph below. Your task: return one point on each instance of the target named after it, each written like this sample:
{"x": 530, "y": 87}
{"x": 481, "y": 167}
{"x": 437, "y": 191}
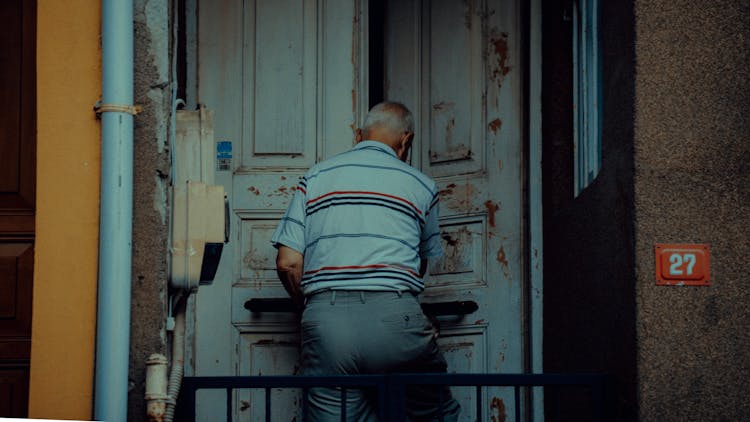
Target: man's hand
{"x": 289, "y": 265}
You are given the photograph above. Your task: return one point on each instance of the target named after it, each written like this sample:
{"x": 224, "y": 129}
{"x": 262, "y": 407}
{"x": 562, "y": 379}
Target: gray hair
{"x": 389, "y": 115}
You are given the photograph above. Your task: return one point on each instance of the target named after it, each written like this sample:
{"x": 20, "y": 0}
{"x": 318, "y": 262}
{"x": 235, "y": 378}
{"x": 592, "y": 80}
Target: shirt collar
{"x": 377, "y": 145}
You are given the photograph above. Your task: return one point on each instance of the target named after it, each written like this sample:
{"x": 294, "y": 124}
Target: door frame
{"x": 533, "y": 134}
{"x": 532, "y": 50}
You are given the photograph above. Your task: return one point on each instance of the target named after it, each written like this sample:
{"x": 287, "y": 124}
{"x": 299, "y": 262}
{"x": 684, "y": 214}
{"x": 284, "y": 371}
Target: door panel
{"x": 16, "y": 269}
{"x": 17, "y": 123}
{"x": 269, "y": 354}
{"x": 455, "y": 64}
{"x": 279, "y": 48}
{"x": 465, "y": 348}
{"x": 14, "y": 387}
{"x": 282, "y": 79}
{"x": 451, "y": 81}
{"x": 17, "y": 200}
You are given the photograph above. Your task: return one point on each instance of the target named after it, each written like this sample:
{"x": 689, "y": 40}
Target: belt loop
{"x": 333, "y": 297}
{"x": 399, "y": 293}
{"x": 362, "y": 296}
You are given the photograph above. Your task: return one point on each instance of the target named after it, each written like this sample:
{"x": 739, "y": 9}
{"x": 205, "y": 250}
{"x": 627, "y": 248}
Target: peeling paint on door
{"x": 503, "y": 260}
{"x": 492, "y": 208}
{"x": 498, "y": 56}
{"x": 458, "y": 197}
{"x": 443, "y": 106}
{"x": 457, "y": 249}
{"x": 497, "y": 409}
{"x": 495, "y": 125}
{"x": 255, "y": 261}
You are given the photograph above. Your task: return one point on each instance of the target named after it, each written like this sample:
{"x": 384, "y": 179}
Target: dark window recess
{"x": 377, "y": 51}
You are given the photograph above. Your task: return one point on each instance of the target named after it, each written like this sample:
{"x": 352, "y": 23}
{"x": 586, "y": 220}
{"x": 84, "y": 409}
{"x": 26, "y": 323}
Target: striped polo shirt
{"x": 363, "y": 219}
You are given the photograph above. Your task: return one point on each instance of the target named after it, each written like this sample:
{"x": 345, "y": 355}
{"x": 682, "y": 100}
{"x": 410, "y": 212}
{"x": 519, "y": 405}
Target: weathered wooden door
{"x": 458, "y": 66}
{"x": 285, "y": 81}
{"x": 282, "y": 77}
{"x": 17, "y": 200}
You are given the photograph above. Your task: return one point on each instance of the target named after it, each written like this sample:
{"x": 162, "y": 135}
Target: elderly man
{"x": 353, "y": 247}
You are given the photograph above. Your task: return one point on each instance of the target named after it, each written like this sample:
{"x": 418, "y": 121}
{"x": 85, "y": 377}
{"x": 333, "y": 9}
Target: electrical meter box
{"x": 199, "y": 208}
{"x": 198, "y": 233}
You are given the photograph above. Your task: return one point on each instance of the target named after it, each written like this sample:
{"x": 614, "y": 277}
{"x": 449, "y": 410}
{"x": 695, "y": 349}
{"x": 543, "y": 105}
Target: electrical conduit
{"x": 178, "y": 360}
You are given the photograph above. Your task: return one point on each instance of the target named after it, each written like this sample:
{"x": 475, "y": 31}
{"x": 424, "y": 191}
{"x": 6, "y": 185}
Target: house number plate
{"x": 682, "y": 264}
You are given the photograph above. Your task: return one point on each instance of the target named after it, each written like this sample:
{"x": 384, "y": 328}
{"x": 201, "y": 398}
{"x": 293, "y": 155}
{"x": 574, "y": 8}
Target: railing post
{"x": 268, "y": 404}
{"x": 383, "y": 397}
{"x": 597, "y": 396}
{"x": 479, "y": 402}
{"x": 305, "y": 392}
{"x": 229, "y": 404}
{"x": 396, "y": 399}
{"x": 185, "y": 408}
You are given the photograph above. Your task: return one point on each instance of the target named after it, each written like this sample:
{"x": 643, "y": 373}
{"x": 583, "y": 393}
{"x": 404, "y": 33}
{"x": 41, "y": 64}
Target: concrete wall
{"x": 589, "y": 289}
{"x": 67, "y": 216}
{"x": 150, "y": 194}
{"x": 676, "y": 169}
{"x": 692, "y": 154}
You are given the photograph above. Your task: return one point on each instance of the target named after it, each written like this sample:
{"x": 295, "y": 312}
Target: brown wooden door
{"x": 17, "y": 200}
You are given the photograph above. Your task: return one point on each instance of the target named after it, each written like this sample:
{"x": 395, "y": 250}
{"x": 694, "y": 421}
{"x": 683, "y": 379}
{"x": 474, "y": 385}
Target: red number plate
{"x": 682, "y": 264}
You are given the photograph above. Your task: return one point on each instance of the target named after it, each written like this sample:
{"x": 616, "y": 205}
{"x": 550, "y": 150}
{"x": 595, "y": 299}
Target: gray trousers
{"x": 362, "y": 332}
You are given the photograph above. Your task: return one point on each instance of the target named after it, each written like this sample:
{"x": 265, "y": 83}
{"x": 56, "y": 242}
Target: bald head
{"x": 389, "y": 116}
{"x": 390, "y": 123}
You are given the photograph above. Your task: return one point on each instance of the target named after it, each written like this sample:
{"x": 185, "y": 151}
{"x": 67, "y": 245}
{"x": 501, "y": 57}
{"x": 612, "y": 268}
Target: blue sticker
{"x": 224, "y": 156}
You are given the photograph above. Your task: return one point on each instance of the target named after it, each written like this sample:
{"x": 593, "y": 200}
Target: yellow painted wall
{"x": 67, "y": 219}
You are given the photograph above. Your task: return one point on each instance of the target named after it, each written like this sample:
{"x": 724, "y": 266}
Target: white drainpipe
{"x": 116, "y": 213}
{"x": 156, "y": 387}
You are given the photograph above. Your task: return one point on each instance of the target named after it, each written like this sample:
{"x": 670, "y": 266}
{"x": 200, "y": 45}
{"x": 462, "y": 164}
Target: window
{"x": 587, "y": 94}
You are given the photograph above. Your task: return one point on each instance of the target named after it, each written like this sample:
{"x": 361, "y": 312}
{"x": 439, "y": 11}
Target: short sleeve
{"x": 291, "y": 229}
{"x": 430, "y": 245}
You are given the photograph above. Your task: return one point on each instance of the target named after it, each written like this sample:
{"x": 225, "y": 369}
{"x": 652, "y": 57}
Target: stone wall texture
{"x": 150, "y": 195}
{"x": 675, "y": 169}
{"x": 692, "y": 178}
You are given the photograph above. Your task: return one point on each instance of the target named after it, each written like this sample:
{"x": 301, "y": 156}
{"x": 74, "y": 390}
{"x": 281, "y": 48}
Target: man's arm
{"x": 289, "y": 265}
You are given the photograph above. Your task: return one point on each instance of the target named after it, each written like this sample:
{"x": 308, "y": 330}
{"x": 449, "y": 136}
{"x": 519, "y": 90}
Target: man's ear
{"x": 406, "y": 140}
{"x": 409, "y": 139}
{"x": 404, "y": 144}
{"x": 358, "y": 136}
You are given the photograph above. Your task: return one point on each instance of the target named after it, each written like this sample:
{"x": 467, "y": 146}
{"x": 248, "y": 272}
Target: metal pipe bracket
{"x": 100, "y": 108}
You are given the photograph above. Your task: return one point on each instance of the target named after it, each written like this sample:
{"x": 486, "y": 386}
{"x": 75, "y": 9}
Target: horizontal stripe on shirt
{"x": 347, "y": 200}
{"x": 295, "y": 221}
{"x": 362, "y": 194}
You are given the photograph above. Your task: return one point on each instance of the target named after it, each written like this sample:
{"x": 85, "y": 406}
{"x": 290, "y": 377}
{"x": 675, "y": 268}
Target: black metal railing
{"x": 391, "y": 389}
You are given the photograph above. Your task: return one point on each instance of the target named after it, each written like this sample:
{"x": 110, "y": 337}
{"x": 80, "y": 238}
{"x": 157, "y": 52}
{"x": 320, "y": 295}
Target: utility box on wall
{"x": 198, "y": 233}
{"x": 199, "y": 220}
